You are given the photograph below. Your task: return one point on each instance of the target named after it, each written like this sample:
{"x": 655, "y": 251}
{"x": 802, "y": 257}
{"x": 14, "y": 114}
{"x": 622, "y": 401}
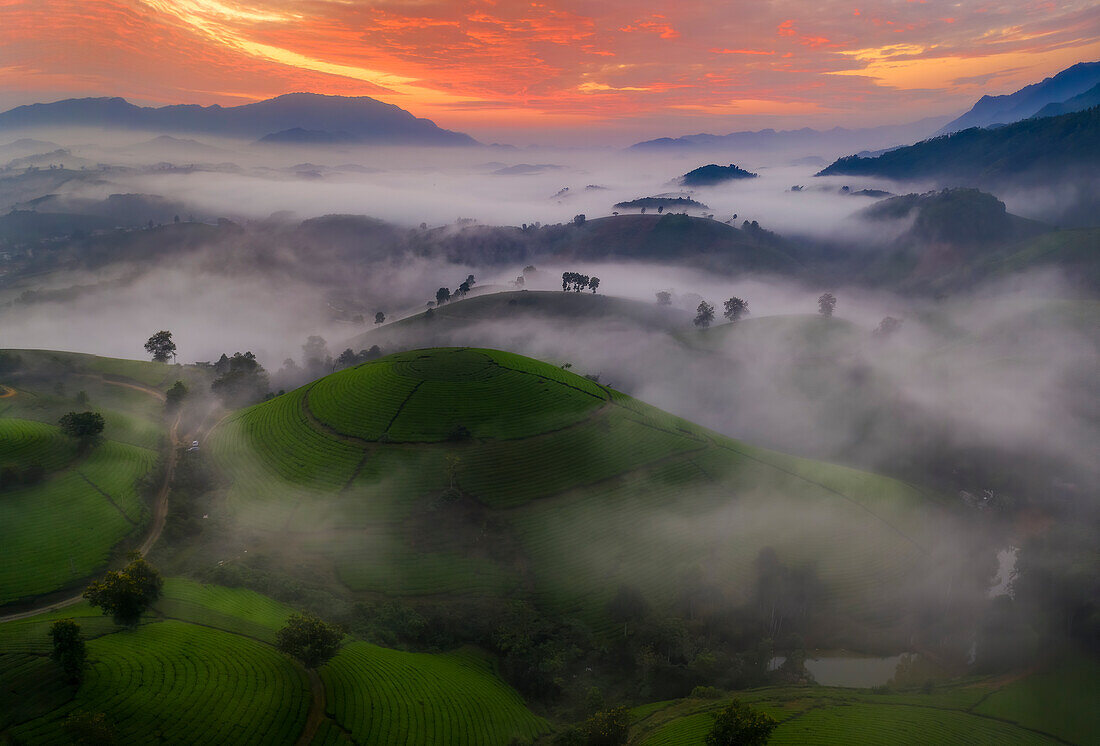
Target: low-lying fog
{"x": 980, "y": 367}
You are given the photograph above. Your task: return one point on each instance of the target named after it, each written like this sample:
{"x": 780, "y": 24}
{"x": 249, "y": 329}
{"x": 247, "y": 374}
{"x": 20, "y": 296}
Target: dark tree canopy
{"x": 735, "y": 308}
{"x": 379, "y": 318}
{"x": 84, "y": 426}
{"x": 740, "y": 725}
{"x": 174, "y": 396}
{"x": 442, "y": 296}
{"x": 887, "y": 326}
{"x": 68, "y": 648}
{"x": 576, "y": 282}
{"x": 594, "y": 283}
{"x": 309, "y": 639}
{"x": 608, "y": 728}
{"x": 826, "y": 304}
{"x": 243, "y": 381}
{"x": 664, "y": 298}
{"x": 126, "y": 594}
{"x": 704, "y": 315}
{"x": 161, "y": 346}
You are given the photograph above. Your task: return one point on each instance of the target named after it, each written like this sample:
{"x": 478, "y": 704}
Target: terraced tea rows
{"x": 189, "y": 684}
{"x": 24, "y": 442}
{"x": 425, "y": 396}
{"x": 58, "y": 530}
{"x": 847, "y": 716}
{"x": 62, "y": 529}
{"x": 596, "y": 480}
{"x": 388, "y": 697}
{"x": 202, "y": 678}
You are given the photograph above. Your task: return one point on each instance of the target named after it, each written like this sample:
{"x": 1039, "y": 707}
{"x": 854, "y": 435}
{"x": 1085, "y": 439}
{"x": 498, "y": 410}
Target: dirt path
{"x": 160, "y": 505}
{"x": 316, "y": 709}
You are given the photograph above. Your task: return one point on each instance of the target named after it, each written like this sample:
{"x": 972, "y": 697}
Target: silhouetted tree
{"x": 161, "y": 346}
{"x": 735, "y": 309}
{"x": 68, "y": 648}
{"x": 664, "y": 298}
{"x": 347, "y": 358}
{"x": 309, "y": 639}
{"x": 594, "y": 283}
{"x": 470, "y": 281}
{"x": 887, "y": 326}
{"x": 127, "y": 593}
{"x": 825, "y": 304}
{"x": 316, "y": 358}
{"x": 442, "y": 296}
{"x": 245, "y": 381}
{"x": 379, "y": 318}
{"x": 704, "y": 315}
{"x": 174, "y": 396}
{"x": 578, "y": 219}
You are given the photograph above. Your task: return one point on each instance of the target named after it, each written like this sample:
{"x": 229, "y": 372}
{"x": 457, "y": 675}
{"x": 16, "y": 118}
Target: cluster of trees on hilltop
{"x": 577, "y": 282}
{"x": 444, "y": 294}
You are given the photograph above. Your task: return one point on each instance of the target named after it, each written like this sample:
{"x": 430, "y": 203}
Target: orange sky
{"x": 558, "y": 69}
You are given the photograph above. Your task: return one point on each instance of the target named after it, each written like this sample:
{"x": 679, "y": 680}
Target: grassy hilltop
{"x": 484, "y": 474}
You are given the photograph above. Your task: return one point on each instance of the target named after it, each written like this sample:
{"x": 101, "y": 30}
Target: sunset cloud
{"x": 487, "y": 66}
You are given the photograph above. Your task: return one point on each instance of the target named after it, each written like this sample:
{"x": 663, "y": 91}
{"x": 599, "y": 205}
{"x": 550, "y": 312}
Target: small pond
{"x": 851, "y": 670}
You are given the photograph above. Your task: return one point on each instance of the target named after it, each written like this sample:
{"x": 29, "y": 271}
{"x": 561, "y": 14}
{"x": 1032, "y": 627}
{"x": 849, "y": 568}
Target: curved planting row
{"x": 283, "y": 437}
{"x": 184, "y": 684}
{"x": 511, "y": 473}
{"x": 510, "y": 405}
{"x": 390, "y": 697}
{"x": 895, "y": 724}
{"x": 61, "y": 530}
{"x": 427, "y": 395}
{"x": 360, "y": 401}
{"x": 235, "y": 610}
{"x": 26, "y": 442}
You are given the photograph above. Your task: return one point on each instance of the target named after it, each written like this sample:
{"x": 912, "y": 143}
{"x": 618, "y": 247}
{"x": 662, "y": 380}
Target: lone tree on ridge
{"x": 161, "y": 346}
{"x": 735, "y": 308}
{"x": 704, "y": 315}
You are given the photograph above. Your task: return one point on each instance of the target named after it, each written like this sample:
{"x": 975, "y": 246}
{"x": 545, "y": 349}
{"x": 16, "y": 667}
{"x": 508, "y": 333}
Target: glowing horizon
{"x": 559, "y": 69}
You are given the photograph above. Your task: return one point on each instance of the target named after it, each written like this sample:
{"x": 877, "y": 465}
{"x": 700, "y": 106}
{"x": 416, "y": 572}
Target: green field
{"x": 61, "y": 528}
{"x": 201, "y": 669}
{"x": 584, "y": 487}
{"x": 978, "y": 711}
{"x": 385, "y": 696}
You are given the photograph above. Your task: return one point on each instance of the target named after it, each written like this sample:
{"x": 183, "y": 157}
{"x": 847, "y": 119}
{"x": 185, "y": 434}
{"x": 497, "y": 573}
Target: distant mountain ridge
{"x": 893, "y": 134}
{"x": 1054, "y": 146}
{"x": 1029, "y": 100}
{"x": 1086, "y": 100}
{"x": 359, "y": 119}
